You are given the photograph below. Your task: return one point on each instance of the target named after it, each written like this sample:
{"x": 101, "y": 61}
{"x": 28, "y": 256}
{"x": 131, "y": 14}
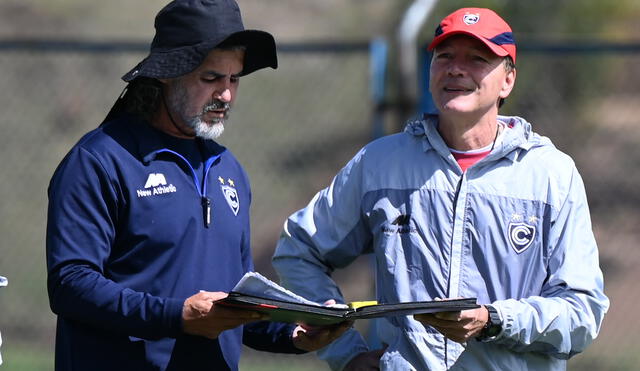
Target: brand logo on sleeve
{"x": 230, "y": 194}
{"x": 156, "y": 184}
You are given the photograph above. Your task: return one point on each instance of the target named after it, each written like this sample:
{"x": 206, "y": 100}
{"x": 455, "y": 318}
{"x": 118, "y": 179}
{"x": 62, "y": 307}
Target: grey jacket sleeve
{"x": 329, "y": 233}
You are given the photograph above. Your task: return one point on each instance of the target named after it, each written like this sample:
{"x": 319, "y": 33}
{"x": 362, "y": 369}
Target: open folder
{"x": 255, "y": 292}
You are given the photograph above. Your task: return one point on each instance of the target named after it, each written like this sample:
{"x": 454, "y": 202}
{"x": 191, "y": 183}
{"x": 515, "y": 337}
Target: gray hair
{"x": 509, "y": 65}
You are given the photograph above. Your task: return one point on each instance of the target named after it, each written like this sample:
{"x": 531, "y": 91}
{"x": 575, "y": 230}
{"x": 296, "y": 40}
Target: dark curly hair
{"x": 143, "y": 97}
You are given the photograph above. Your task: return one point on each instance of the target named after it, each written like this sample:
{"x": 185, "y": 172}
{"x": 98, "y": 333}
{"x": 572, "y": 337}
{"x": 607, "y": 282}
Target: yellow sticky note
{"x": 358, "y": 304}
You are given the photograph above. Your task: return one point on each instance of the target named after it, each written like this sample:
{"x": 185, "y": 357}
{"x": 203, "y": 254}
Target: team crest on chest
{"x": 521, "y": 236}
{"x": 230, "y": 194}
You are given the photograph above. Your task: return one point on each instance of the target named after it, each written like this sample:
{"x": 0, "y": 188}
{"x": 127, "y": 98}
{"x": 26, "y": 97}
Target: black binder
{"x": 285, "y": 311}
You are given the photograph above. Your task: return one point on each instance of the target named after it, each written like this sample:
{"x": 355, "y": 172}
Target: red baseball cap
{"x": 483, "y": 24}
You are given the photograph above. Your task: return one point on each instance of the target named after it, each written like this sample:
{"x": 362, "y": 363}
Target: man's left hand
{"x": 457, "y": 326}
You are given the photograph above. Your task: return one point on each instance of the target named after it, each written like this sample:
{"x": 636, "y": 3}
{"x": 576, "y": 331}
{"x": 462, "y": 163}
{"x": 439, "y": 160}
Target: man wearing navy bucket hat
{"x": 148, "y": 221}
{"x": 463, "y": 203}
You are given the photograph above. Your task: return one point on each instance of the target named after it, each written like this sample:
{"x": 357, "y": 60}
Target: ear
{"x": 508, "y": 83}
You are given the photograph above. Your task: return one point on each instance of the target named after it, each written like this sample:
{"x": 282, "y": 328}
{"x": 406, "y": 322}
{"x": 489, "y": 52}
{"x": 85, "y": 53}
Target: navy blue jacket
{"x": 132, "y": 232}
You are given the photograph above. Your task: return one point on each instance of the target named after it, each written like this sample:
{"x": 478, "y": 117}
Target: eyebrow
{"x": 218, "y": 74}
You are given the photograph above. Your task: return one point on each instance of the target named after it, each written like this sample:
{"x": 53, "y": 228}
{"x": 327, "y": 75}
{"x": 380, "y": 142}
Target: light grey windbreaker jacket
{"x": 514, "y": 230}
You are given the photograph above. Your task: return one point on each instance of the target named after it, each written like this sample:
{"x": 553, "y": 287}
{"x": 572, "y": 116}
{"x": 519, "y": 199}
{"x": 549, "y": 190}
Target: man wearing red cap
{"x": 148, "y": 220}
{"x": 465, "y": 203}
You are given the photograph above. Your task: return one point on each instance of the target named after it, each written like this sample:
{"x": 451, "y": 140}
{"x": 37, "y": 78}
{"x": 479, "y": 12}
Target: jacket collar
{"x": 149, "y": 140}
{"x": 519, "y": 136}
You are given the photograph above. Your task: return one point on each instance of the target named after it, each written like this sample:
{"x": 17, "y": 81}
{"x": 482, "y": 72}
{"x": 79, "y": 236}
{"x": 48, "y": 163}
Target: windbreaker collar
{"x": 519, "y": 136}
{"x": 150, "y": 141}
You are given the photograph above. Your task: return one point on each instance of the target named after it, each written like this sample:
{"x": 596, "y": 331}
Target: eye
{"x": 444, "y": 55}
{"x": 480, "y": 58}
{"x": 234, "y": 79}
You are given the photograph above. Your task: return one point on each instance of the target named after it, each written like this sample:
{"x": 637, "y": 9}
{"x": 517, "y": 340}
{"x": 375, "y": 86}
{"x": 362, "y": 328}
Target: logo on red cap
{"x": 470, "y": 19}
{"x": 483, "y": 24}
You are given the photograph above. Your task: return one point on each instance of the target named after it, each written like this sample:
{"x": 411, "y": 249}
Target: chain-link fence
{"x": 293, "y": 128}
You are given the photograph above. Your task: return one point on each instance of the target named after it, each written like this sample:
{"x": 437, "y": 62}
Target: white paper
{"x": 253, "y": 283}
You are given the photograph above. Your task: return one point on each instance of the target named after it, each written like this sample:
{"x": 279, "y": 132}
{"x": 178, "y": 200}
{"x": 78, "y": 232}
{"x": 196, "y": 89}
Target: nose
{"x": 455, "y": 68}
{"x": 225, "y": 95}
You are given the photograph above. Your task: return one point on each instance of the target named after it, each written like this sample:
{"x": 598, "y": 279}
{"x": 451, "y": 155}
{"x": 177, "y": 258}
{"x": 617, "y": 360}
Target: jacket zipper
{"x": 206, "y": 209}
{"x": 455, "y": 203}
{"x": 205, "y": 201}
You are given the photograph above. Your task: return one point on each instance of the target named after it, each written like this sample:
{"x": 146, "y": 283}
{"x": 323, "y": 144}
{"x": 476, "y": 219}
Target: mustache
{"x": 216, "y": 105}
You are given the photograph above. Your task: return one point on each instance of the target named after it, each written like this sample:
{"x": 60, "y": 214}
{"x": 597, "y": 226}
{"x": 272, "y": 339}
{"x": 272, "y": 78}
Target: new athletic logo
{"x": 155, "y": 179}
{"x": 156, "y": 184}
{"x": 230, "y": 194}
{"x": 401, "y": 225}
{"x": 521, "y": 236}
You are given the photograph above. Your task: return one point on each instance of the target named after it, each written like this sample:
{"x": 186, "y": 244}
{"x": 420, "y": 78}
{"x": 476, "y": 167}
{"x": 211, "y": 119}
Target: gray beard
{"x": 202, "y": 129}
{"x": 205, "y": 130}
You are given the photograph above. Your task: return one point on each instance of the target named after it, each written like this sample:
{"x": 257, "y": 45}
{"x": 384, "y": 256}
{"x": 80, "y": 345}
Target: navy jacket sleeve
{"x": 270, "y": 336}
{"x": 81, "y": 228}
{"x": 265, "y": 336}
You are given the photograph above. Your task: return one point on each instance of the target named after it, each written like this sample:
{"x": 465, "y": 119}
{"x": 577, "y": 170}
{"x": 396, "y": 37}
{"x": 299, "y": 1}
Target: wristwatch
{"x": 493, "y": 327}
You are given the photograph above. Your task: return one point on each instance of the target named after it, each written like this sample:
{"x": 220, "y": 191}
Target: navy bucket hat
{"x": 187, "y": 30}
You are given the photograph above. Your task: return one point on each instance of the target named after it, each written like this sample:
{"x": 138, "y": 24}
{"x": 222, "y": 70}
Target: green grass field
{"x": 25, "y": 358}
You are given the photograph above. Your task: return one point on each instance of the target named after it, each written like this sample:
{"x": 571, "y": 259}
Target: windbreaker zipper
{"x": 455, "y": 203}
{"x": 206, "y": 209}
{"x": 456, "y": 195}
{"x": 202, "y": 191}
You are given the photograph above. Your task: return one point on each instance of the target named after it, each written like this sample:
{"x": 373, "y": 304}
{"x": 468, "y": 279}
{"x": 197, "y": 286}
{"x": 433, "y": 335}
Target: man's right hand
{"x": 200, "y": 315}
